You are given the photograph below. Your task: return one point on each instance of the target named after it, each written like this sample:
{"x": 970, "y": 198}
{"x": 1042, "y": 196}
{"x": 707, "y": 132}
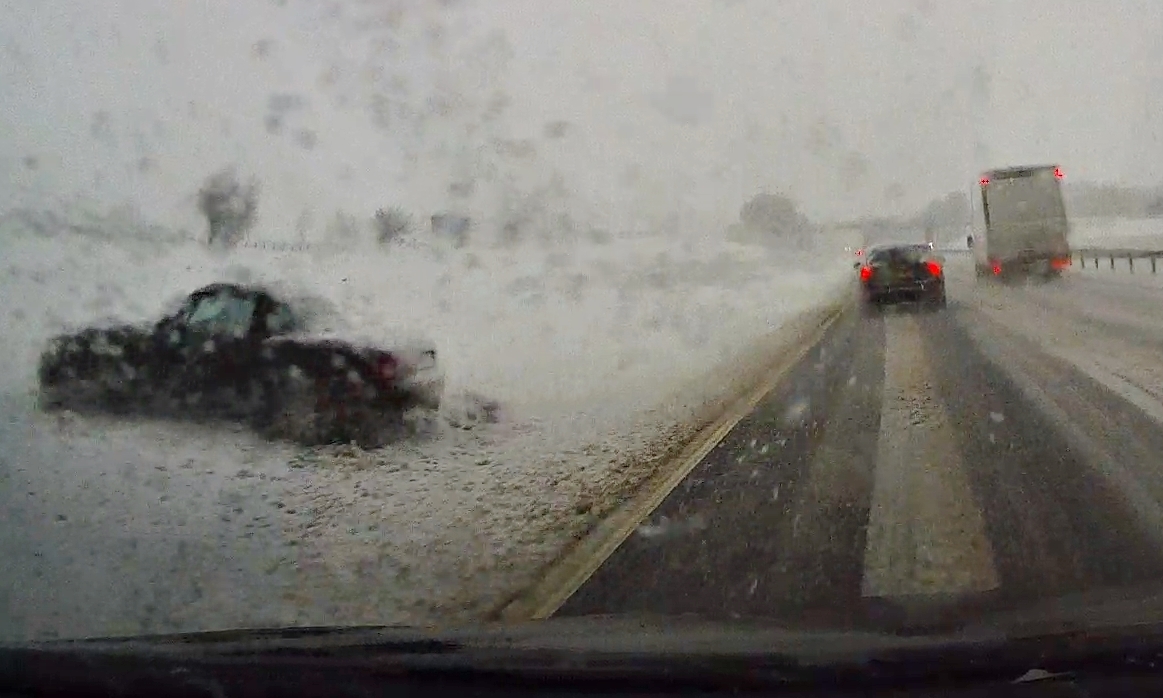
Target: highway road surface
{"x": 925, "y": 466}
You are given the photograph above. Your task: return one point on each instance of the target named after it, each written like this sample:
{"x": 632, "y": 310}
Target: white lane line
{"x": 1088, "y": 432}
{"x": 1129, "y": 371}
{"x": 926, "y": 534}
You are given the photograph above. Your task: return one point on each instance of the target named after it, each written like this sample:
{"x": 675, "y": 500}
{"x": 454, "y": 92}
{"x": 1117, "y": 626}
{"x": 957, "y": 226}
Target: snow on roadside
{"x": 1121, "y": 275}
{"x": 1128, "y": 233}
{"x": 585, "y": 347}
{"x": 1117, "y": 233}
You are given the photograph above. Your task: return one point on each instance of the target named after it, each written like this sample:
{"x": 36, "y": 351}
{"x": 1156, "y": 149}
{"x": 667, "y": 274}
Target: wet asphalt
{"x": 1014, "y": 493}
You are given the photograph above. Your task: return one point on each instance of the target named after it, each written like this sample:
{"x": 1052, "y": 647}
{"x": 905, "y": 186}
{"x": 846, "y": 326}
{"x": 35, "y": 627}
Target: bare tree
{"x": 392, "y": 223}
{"x": 777, "y": 215}
{"x": 230, "y": 207}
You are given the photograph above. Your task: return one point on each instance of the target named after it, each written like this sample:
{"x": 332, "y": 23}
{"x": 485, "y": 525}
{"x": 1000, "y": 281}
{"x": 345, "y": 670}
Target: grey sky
{"x": 852, "y": 106}
{"x": 867, "y": 102}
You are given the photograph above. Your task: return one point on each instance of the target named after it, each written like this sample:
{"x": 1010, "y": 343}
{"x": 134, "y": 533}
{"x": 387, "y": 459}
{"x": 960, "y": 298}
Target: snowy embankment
{"x": 599, "y": 353}
{"x": 603, "y": 356}
{"x": 1124, "y": 233}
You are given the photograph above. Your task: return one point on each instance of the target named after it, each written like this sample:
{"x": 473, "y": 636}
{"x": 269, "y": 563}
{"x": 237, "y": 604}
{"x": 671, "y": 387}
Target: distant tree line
{"x": 944, "y": 219}
{"x": 775, "y": 218}
{"x": 1088, "y": 199}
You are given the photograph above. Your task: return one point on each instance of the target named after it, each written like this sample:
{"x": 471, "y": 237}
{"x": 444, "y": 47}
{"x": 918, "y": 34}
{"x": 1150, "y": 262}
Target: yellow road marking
{"x": 573, "y": 570}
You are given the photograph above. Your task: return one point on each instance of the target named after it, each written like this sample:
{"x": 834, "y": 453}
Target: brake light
{"x": 387, "y": 367}
{"x": 1060, "y": 263}
{"x": 1058, "y": 173}
{"x": 865, "y": 273}
{"x": 934, "y": 268}
{"x": 997, "y": 270}
{"x": 984, "y": 181}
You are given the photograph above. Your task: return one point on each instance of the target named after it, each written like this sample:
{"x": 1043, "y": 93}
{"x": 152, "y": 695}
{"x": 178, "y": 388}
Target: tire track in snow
{"x": 1067, "y": 473}
{"x": 946, "y": 492}
{"x": 771, "y": 523}
{"x": 925, "y": 532}
{"x": 1124, "y": 354}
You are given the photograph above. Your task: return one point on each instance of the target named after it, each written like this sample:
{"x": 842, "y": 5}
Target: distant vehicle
{"x": 241, "y": 352}
{"x": 901, "y": 273}
{"x": 1024, "y": 229}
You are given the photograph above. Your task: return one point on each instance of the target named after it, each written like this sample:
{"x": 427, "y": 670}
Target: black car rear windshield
{"x": 911, "y": 254}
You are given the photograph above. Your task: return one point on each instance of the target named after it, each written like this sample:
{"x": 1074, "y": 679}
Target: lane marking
{"x": 569, "y": 573}
{"x": 926, "y": 533}
{"x": 1148, "y": 401}
{"x": 840, "y": 471}
{"x": 1042, "y": 385}
{"x": 1111, "y": 365}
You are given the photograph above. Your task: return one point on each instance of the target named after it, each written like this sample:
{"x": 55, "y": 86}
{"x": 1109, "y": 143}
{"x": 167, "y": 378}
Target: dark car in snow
{"x": 243, "y": 352}
{"x": 902, "y": 273}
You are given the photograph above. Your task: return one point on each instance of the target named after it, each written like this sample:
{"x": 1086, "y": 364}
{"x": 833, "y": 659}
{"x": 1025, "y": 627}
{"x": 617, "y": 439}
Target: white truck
{"x": 1022, "y": 229}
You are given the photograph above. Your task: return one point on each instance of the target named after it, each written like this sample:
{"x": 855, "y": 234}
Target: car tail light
{"x": 934, "y": 268}
{"x": 387, "y": 367}
{"x": 997, "y": 269}
{"x": 865, "y": 273}
{"x": 1060, "y": 263}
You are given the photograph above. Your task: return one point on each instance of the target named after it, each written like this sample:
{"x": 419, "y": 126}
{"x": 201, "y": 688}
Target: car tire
{"x": 297, "y": 409}
{"x": 103, "y": 388}
{"x": 291, "y": 412}
{"x": 50, "y": 398}
{"x": 372, "y": 428}
{"x": 934, "y": 303}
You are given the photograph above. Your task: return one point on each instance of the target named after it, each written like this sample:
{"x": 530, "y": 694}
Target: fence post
{"x": 1082, "y": 258}
{"x": 1112, "y": 262}
{"x": 1152, "y": 264}
{"x": 1131, "y": 263}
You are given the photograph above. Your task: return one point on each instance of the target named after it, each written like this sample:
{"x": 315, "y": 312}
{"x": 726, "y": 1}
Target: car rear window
{"x": 898, "y": 255}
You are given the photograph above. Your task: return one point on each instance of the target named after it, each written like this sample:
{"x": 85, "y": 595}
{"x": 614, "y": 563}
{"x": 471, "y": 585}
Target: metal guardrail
{"x": 1098, "y": 255}
{"x": 274, "y": 246}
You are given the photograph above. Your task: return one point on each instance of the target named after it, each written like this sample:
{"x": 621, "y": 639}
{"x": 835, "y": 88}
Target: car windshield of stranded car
{"x": 223, "y": 314}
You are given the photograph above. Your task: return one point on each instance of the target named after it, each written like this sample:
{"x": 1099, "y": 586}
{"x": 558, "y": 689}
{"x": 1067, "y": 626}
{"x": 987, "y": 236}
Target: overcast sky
{"x": 871, "y": 101}
{"x": 852, "y": 106}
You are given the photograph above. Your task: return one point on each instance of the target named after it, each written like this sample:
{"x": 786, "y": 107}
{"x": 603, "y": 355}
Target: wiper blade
{"x": 489, "y": 652}
{"x": 594, "y": 649}
{"x": 714, "y": 656}
{"x": 312, "y": 640}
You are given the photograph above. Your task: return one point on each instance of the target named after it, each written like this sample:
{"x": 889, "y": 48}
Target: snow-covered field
{"x": 603, "y": 324}
{"x": 1128, "y": 233}
{"x": 599, "y": 353}
{"x": 601, "y": 150}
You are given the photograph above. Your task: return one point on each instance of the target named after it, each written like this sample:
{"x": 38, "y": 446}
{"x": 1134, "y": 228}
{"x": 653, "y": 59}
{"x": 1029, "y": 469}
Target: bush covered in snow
{"x": 230, "y": 207}
{"x": 451, "y": 227}
{"x": 779, "y": 217}
{"x": 392, "y": 223}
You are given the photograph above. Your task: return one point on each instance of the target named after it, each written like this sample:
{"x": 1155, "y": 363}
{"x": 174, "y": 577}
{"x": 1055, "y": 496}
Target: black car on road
{"x": 901, "y": 273}
{"x": 242, "y": 352}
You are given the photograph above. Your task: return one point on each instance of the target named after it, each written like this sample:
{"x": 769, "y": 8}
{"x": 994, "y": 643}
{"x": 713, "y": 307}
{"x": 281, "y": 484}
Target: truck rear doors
{"x": 1026, "y": 226}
